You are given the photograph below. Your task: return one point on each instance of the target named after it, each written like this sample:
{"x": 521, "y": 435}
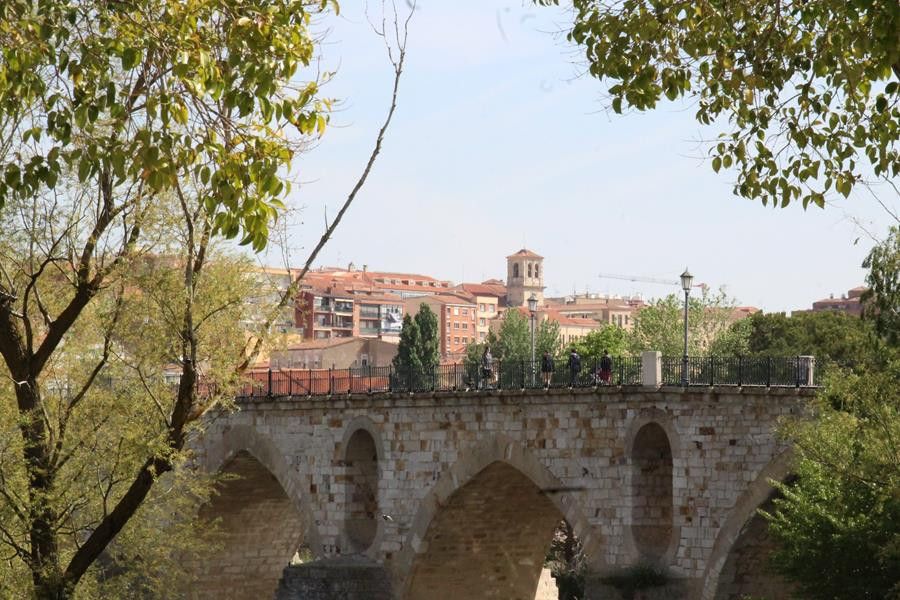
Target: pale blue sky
{"x": 498, "y": 142}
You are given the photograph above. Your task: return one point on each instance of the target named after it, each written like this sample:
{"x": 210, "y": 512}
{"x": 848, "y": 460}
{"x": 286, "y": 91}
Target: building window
{"x": 481, "y": 307}
{"x": 456, "y": 325}
{"x": 529, "y": 269}
{"x": 537, "y": 272}
{"x": 491, "y": 308}
{"x": 482, "y": 322}
{"x": 465, "y": 340}
{"x": 455, "y": 310}
{"x": 455, "y": 340}
{"x": 465, "y": 325}
{"x": 448, "y": 339}
{"x": 448, "y": 310}
{"x": 515, "y": 270}
{"x": 482, "y": 335}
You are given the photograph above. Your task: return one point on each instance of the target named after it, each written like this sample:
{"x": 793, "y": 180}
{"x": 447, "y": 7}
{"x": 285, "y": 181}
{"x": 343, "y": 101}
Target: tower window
{"x": 537, "y": 270}
{"x": 515, "y": 270}
{"x": 529, "y": 269}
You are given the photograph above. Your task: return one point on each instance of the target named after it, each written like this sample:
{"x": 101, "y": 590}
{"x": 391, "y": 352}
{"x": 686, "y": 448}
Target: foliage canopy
{"x": 807, "y": 90}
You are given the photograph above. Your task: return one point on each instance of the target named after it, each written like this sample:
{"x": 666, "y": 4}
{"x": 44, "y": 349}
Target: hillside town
{"x": 352, "y": 316}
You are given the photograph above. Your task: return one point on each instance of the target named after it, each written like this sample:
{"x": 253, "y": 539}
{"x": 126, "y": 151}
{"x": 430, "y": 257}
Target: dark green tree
{"x": 829, "y": 336}
{"x": 408, "y": 361}
{"x": 429, "y": 337}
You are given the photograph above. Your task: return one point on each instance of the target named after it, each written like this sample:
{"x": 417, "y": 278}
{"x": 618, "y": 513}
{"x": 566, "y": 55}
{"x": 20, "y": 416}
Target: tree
{"x": 513, "y": 338}
{"x": 829, "y": 336}
{"x": 660, "y": 325}
{"x": 418, "y": 351}
{"x": 408, "y": 361}
{"x": 429, "y": 343}
{"x": 838, "y": 525}
{"x": 608, "y": 338}
{"x": 808, "y": 89}
{"x": 547, "y": 338}
{"x": 881, "y": 302}
{"x": 131, "y": 130}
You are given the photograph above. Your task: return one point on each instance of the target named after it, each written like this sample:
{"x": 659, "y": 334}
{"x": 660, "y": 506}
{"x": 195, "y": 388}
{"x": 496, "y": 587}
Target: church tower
{"x": 524, "y": 276}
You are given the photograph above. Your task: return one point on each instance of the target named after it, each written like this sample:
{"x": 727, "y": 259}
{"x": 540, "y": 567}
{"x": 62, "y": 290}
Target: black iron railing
{"x": 519, "y": 374}
{"x": 502, "y": 375}
{"x": 793, "y": 371}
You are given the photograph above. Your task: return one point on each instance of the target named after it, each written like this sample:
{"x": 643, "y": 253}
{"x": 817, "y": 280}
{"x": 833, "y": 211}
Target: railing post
{"x": 769, "y": 371}
{"x": 499, "y": 374}
{"x": 369, "y": 373}
{"x": 290, "y": 383}
{"x": 797, "y": 371}
{"x": 309, "y": 389}
{"x": 523, "y": 373}
{"x": 434, "y": 368}
{"x": 391, "y": 378}
{"x": 270, "y": 383}
{"x": 409, "y": 378}
{"x": 330, "y": 381}
{"x": 740, "y": 370}
{"x": 712, "y": 371}
{"x": 651, "y": 369}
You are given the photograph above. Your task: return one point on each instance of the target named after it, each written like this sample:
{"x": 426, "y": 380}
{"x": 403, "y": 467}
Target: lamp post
{"x": 686, "y": 281}
{"x": 532, "y": 306}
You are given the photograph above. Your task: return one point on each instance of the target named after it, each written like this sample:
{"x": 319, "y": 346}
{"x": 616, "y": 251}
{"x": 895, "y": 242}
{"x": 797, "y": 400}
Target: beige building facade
{"x": 524, "y": 277}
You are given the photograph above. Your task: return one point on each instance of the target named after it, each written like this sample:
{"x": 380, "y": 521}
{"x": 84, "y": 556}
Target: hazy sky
{"x": 499, "y": 142}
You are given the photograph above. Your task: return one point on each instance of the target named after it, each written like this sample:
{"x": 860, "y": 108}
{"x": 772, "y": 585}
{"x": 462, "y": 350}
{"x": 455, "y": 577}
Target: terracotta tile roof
{"x": 483, "y": 289}
{"x": 446, "y": 299}
{"x": 571, "y": 321}
{"x": 524, "y": 253}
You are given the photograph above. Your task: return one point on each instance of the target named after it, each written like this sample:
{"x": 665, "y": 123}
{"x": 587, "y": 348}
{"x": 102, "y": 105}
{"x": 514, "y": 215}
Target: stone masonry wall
{"x": 576, "y": 446}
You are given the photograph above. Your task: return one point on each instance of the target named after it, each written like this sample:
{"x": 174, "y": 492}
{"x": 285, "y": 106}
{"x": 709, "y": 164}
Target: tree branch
{"x": 288, "y": 295}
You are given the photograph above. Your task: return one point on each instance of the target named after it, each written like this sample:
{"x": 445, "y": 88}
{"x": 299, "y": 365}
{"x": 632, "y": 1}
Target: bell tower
{"x": 524, "y": 276}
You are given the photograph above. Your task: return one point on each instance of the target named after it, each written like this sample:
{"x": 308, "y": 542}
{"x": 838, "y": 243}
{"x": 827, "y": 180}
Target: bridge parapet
{"x": 651, "y": 369}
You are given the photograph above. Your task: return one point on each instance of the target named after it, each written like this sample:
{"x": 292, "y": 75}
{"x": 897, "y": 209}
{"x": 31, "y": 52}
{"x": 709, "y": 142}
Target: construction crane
{"x": 646, "y": 280}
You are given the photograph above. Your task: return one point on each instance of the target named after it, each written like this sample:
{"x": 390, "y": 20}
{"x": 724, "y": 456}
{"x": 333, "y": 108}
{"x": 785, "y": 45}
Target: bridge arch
{"x": 361, "y": 455}
{"x": 483, "y": 494}
{"x": 263, "y": 513}
{"x": 654, "y": 456}
{"x": 743, "y": 513}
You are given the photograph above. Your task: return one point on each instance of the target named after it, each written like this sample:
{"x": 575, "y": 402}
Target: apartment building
{"x": 404, "y": 285}
{"x": 605, "y": 310}
{"x": 487, "y": 299}
{"x": 330, "y": 312}
{"x": 849, "y": 303}
{"x": 456, "y": 317}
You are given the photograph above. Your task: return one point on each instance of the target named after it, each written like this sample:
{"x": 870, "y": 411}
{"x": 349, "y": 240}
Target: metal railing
{"x": 503, "y": 375}
{"x": 793, "y": 371}
{"x": 519, "y": 375}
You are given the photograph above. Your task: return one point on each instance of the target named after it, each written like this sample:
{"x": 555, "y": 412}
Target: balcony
{"x": 343, "y": 307}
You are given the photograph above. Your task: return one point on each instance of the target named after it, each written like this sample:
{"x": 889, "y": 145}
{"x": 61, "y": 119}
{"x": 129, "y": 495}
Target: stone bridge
{"x": 458, "y": 494}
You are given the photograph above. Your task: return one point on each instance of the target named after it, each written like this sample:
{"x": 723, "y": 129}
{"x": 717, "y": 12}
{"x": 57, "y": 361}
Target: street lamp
{"x": 686, "y": 280}
{"x": 532, "y": 306}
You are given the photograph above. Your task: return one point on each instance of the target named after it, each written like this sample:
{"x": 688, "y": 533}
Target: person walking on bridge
{"x": 487, "y": 367}
{"x": 547, "y": 368}
{"x": 574, "y": 367}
